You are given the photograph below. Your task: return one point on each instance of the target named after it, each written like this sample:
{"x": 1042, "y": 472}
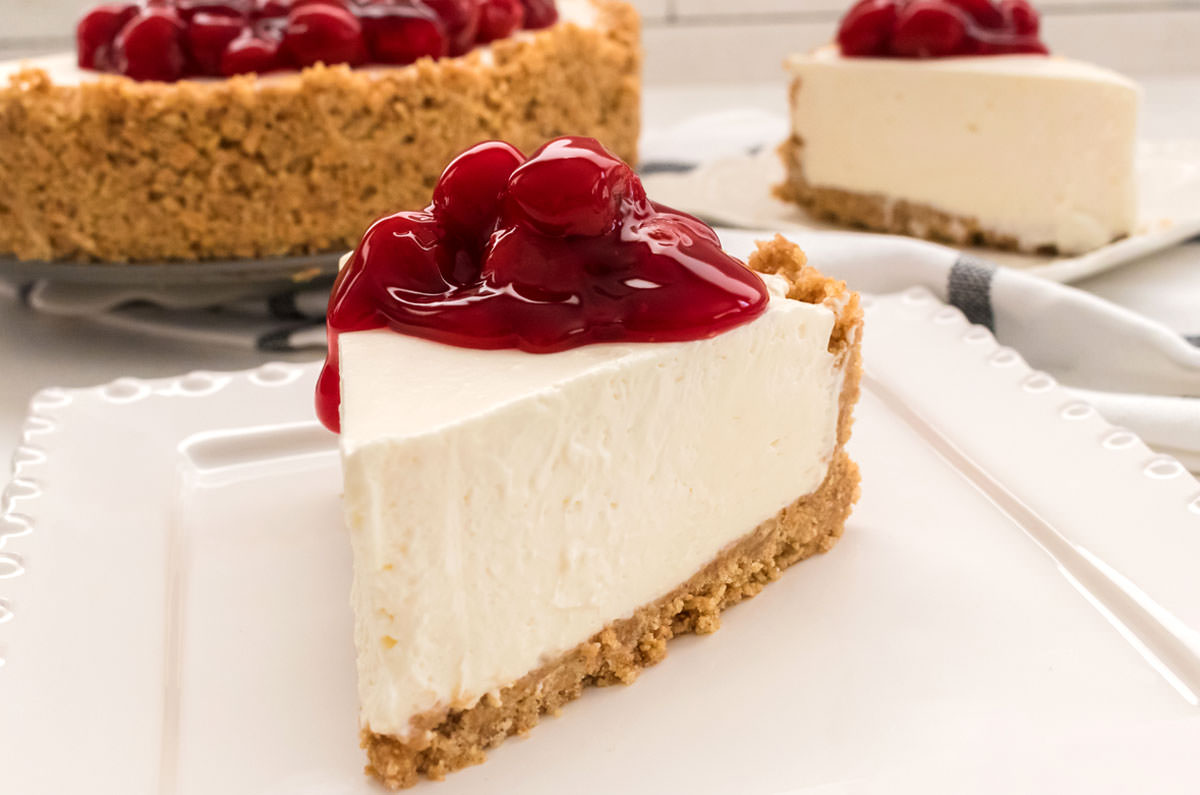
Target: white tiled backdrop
{"x": 743, "y": 41}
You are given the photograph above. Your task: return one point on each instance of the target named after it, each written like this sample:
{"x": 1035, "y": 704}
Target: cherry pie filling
{"x": 168, "y": 40}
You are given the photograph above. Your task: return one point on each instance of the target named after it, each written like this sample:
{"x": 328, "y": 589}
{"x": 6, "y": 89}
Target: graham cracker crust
{"x": 813, "y": 523}
{"x": 117, "y": 170}
{"x": 884, "y": 213}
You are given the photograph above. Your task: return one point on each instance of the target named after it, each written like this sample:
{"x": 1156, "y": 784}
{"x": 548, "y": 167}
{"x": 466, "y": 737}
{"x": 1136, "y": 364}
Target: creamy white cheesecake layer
{"x": 504, "y": 507}
{"x": 63, "y": 68}
{"x": 1039, "y": 148}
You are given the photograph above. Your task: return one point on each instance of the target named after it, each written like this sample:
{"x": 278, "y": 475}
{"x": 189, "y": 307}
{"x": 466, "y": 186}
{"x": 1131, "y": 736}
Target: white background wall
{"x": 741, "y": 41}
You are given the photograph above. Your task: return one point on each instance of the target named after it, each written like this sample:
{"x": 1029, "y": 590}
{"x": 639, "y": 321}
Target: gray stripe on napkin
{"x": 970, "y": 289}
{"x": 1194, "y": 339}
{"x": 282, "y": 306}
{"x": 283, "y": 340}
{"x": 648, "y": 167}
{"x": 664, "y": 167}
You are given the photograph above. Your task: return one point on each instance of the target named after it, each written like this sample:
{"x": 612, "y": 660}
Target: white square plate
{"x": 1014, "y": 606}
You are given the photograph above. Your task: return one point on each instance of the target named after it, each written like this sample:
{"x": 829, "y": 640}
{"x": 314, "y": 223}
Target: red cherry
{"x": 539, "y": 14}
{"x": 95, "y": 33}
{"x": 982, "y": 12}
{"x": 207, "y": 37}
{"x": 571, "y": 186}
{"x": 531, "y": 264}
{"x": 467, "y": 198}
{"x": 402, "y": 33}
{"x": 461, "y": 18}
{"x": 866, "y": 28}
{"x": 262, "y": 9}
{"x": 928, "y": 28}
{"x": 251, "y": 53}
{"x": 1021, "y": 17}
{"x": 150, "y": 46}
{"x": 409, "y": 252}
{"x": 498, "y": 19}
{"x": 326, "y": 33}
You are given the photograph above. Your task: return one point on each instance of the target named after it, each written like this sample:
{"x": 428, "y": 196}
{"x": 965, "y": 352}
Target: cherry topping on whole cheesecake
{"x": 252, "y": 53}
{"x": 150, "y": 46}
{"x": 543, "y": 254}
{"x": 940, "y": 28}
{"x": 171, "y": 39}
{"x": 498, "y": 19}
{"x": 209, "y": 36}
{"x": 324, "y": 32}
{"x": 461, "y": 19}
{"x": 402, "y": 33}
{"x": 96, "y": 32}
{"x": 539, "y": 13}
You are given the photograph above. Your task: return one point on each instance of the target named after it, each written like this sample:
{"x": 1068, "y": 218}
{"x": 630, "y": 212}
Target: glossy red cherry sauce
{"x": 545, "y": 254}
{"x": 168, "y": 40}
{"x": 940, "y": 28}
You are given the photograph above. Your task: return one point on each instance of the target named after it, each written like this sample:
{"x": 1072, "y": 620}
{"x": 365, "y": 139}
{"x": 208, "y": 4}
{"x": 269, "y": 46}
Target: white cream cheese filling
{"x": 1037, "y": 148}
{"x": 504, "y": 507}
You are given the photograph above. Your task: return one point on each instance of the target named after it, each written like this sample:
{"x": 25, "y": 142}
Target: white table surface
{"x": 37, "y": 351}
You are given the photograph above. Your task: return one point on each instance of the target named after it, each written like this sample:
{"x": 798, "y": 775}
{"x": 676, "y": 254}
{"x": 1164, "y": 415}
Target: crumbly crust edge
{"x": 448, "y": 740}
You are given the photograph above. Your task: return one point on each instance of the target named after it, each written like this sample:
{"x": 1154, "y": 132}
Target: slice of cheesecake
{"x": 544, "y": 515}
{"x": 1018, "y": 150}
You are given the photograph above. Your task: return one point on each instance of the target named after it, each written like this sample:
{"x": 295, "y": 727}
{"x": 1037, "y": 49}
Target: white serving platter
{"x": 736, "y": 191}
{"x": 1014, "y": 606}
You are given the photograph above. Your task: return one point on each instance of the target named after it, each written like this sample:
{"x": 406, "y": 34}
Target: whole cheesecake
{"x": 948, "y": 120}
{"x": 137, "y": 155}
{"x": 572, "y": 428}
